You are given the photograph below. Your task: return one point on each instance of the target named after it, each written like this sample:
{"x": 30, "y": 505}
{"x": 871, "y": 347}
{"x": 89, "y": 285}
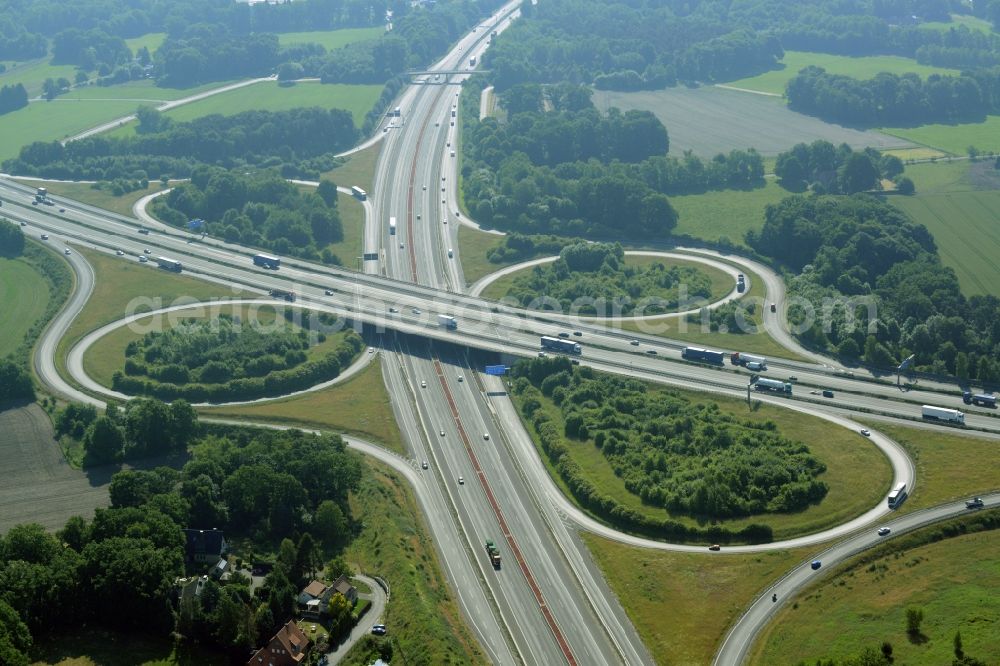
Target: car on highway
{"x": 564, "y": 335}
{"x": 34, "y": 203}
{"x": 634, "y": 343}
{"x": 883, "y": 531}
{"x": 400, "y": 246}
{"x": 120, "y": 253}
{"x": 486, "y": 436}
{"x": 578, "y": 333}
{"x": 392, "y": 309}
{"x": 461, "y": 481}
{"x": 974, "y": 503}
{"x": 44, "y": 236}
{"x": 425, "y": 187}
{"x": 62, "y": 210}
{"x": 146, "y": 251}
{"x": 816, "y": 564}
{"x": 827, "y": 394}
{"x": 24, "y": 224}
{"x": 793, "y": 378}
{"x": 379, "y": 630}
{"x": 866, "y": 432}
{"x": 423, "y": 383}
{"x": 66, "y": 251}
{"x": 415, "y": 310}
{"x": 461, "y": 378}
{"x": 651, "y": 352}
{"x": 423, "y": 465}
{"x": 774, "y": 308}
{"x": 143, "y": 260}
{"x": 442, "y": 433}
{"x": 542, "y": 354}
{"x": 418, "y": 216}
{"x": 328, "y": 292}
{"x": 715, "y": 546}
{"x": 371, "y": 350}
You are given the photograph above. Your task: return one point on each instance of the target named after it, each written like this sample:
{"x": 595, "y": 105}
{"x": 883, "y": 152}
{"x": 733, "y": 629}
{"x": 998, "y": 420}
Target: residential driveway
{"x": 38, "y": 485}
{"x": 364, "y": 626}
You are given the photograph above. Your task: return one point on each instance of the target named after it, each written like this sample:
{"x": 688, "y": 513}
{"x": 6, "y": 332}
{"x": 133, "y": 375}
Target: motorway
{"x": 548, "y": 603}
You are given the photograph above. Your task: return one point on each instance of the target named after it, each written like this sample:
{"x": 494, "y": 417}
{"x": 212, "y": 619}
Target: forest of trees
{"x": 574, "y": 172}
{"x": 284, "y": 492}
{"x": 258, "y": 209}
{"x": 889, "y": 99}
{"x": 689, "y": 458}
{"x": 299, "y": 142}
{"x": 868, "y": 251}
{"x": 829, "y": 169}
{"x": 592, "y": 279}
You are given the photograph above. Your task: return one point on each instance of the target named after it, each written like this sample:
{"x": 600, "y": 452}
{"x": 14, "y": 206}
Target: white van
{"x": 451, "y": 253}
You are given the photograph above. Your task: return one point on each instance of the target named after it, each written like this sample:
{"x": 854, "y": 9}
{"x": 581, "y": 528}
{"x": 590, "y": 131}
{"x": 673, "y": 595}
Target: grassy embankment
{"x": 422, "y": 616}
{"x": 85, "y": 193}
{"x": 329, "y": 39}
{"x": 858, "y": 475}
{"x": 358, "y": 406}
{"x": 721, "y": 283}
{"x": 863, "y": 603}
{"x": 359, "y": 169}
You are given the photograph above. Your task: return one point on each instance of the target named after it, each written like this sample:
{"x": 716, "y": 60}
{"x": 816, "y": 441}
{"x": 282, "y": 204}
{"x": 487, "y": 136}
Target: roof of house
{"x": 288, "y": 646}
{"x": 343, "y": 585}
{"x": 314, "y": 589}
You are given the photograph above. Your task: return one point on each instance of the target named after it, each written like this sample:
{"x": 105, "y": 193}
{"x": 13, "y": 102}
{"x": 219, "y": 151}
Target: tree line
{"x": 890, "y": 99}
{"x": 279, "y": 492}
{"x": 866, "y": 252}
{"x": 591, "y": 279}
{"x": 300, "y": 142}
{"x": 257, "y": 209}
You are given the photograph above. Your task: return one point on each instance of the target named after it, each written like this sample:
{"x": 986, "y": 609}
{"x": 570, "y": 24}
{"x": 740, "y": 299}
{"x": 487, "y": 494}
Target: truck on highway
{"x": 359, "y": 193}
{"x": 560, "y": 345}
{"x": 773, "y": 385}
{"x": 494, "y": 553}
{"x": 392, "y": 226}
{"x": 41, "y": 194}
{"x": 754, "y": 366}
{"x": 472, "y": 61}
{"x": 740, "y": 358}
{"x": 267, "y": 261}
{"x": 974, "y": 503}
{"x": 942, "y": 414}
{"x": 703, "y": 355}
{"x": 981, "y": 399}
{"x": 169, "y": 264}
{"x": 447, "y": 321}
{"x": 281, "y": 293}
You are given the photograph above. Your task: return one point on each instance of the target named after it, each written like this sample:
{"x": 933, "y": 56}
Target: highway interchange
{"x": 549, "y": 603}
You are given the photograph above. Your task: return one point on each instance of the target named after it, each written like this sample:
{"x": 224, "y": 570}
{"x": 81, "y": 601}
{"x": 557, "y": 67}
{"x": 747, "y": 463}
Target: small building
{"x": 203, "y": 546}
{"x": 221, "y": 567}
{"x": 344, "y": 587}
{"x": 288, "y": 647}
{"x": 314, "y": 598}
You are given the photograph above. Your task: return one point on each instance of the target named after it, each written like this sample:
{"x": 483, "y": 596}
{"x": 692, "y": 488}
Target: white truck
{"x": 447, "y": 321}
{"x": 942, "y": 414}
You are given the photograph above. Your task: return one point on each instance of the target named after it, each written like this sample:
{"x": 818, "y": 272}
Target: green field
{"x": 865, "y": 67}
{"x": 858, "y": 475}
{"x": 144, "y": 92}
{"x": 963, "y": 217}
{"x": 359, "y": 169}
{"x": 151, "y": 40}
{"x": 423, "y": 617}
{"x": 954, "y": 582}
{"x": 472, "y": 247}
{"x": 727, "y": 213}
{"x": 954, "y": 139}
{"x": 957, "y": 20}
{"x": 32, "y": 73}
{"x": 712, "y": 589}
{"x": 721, "y": 283}
{"x": 49, "y": 121}
{"x": 24, "y": 295}
{"x": 352, "y": 221}
{"x": 359, "y": 406}
{"x": 269, "y": 96}
{"x": 330, "y": 39}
